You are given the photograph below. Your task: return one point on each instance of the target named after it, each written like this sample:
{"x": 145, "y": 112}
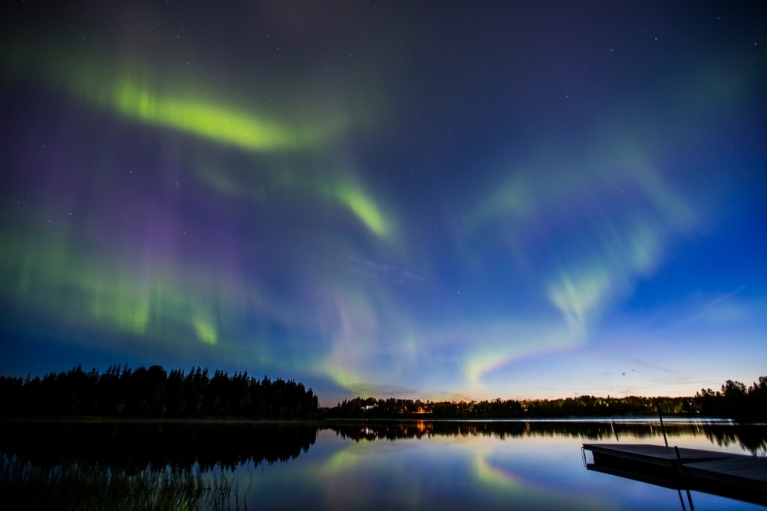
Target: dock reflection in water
{"x": 383, "y": 464}
{"x": 715, "y": 472}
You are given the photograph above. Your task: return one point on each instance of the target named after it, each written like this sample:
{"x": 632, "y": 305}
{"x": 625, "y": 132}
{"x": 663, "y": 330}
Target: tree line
{"x": 734, "y": 401}
{"x": 154, "y": 393}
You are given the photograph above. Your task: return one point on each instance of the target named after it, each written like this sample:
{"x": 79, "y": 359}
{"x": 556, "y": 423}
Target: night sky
{"x": 435, "y": 200}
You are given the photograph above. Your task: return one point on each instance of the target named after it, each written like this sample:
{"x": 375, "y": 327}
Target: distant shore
{"x": 372, "y": 420}
{"x": 126, "y": 394}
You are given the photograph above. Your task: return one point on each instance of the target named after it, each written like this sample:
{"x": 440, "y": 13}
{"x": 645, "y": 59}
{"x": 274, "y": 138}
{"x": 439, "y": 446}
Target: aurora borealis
{"x": 435, "y": 200}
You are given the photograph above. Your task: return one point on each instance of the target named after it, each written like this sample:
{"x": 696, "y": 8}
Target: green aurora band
{"x": 540, "y": 241}
{"x": 114, "y": 292}
{"x": 89, "y": 79}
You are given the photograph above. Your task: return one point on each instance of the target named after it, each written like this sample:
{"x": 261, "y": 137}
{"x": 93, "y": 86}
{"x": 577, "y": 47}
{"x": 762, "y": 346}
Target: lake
{"x": 370, "y": 465}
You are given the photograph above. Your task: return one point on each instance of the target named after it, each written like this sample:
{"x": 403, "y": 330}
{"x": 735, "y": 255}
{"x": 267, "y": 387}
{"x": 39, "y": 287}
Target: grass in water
{"x": 72, "y": 487}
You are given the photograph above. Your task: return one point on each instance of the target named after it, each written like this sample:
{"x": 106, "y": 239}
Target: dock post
{"x": 662, "y": 427}
{"x": 684, "y": 483}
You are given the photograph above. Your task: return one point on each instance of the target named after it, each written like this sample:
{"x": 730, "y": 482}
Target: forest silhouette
{"x": 153, "y": 393}
{"x": 733, "y": 401}
{"x": 122, "y": 392}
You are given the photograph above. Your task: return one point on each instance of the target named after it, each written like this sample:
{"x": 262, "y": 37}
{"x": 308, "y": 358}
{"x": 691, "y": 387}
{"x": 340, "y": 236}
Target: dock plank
{"x": 721, "y": 473}
{"x": 658, "y": 454}
{"x": 745, "y": 467}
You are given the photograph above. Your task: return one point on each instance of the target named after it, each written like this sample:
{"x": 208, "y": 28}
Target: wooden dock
{"x": 719, "y": 473}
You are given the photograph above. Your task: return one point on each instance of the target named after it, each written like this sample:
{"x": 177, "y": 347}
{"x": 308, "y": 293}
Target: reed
{"x": 91, "y": 488}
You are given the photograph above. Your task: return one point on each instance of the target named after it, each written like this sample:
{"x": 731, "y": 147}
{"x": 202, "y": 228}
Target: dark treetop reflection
{"x": 138, "y": 445}
{"x": 362, "y": 465}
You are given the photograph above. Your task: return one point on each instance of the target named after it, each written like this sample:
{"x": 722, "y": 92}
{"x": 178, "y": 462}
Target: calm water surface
{"x": 389, "y": 465}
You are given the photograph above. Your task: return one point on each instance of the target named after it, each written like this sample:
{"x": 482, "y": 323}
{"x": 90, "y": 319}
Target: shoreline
{"x": 351, "y": 420}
